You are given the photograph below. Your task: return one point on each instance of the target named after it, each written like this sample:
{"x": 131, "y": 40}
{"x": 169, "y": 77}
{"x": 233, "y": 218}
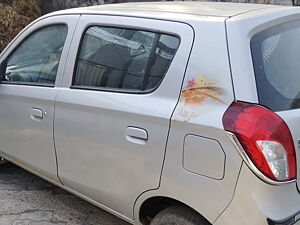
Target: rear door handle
{"x": 36, "y": 113}
{"x": 136, "y": 135}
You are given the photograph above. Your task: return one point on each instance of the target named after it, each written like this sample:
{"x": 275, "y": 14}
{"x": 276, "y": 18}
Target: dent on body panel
{"x": 198, "y": 95}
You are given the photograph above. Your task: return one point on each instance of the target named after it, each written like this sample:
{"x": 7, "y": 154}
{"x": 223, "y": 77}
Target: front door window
{"x": 36, "y": 60}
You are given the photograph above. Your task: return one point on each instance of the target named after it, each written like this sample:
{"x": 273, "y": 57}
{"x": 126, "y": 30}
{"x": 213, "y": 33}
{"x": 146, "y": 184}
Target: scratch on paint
{"x": 199, "y": 89}
{"x": 193, "y": 95}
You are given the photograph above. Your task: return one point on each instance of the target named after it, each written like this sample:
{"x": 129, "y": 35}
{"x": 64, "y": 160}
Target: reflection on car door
{"x": 111, "y": 126}
{"x": 31, "y": 68}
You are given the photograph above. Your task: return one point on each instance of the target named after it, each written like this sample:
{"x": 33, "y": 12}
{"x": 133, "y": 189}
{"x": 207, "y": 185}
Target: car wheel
{"x": 178, "y": 215}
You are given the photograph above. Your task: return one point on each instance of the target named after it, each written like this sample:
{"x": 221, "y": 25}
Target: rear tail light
{"x": 265, "y": 138}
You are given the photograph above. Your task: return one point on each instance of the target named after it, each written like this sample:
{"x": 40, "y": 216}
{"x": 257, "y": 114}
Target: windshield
{"x": 276, "y": 60}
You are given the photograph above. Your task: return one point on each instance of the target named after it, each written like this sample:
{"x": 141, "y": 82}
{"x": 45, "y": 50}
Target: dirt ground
{"x": 26, "y": 199}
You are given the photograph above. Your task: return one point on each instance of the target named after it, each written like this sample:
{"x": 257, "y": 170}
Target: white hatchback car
{"x": 181, "y": 113}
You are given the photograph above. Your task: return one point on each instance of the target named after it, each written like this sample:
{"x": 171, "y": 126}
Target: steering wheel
{"x": 14, "y": 77}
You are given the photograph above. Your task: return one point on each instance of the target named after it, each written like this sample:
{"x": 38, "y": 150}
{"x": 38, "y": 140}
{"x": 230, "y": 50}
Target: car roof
{"x": 215, "y": 9}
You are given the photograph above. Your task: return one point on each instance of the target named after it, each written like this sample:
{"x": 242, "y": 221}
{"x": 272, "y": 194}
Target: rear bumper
{"x": 259, "y": 203}
{"x": 293, "y": 220}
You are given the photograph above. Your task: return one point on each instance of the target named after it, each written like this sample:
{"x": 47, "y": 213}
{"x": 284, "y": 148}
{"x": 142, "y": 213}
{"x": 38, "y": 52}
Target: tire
{"x": 178, "y": 215}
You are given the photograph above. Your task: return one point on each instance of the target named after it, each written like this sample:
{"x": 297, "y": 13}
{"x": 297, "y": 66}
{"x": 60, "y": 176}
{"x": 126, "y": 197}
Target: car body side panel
{"x": 240, "y": 30}
{"x": 255, "y": 201}
{"x": 200, "y": 113}
{"x": 23, "y": 137}
{"x": 95, "y": 157}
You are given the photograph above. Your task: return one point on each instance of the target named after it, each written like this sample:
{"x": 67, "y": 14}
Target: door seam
{"x": 54, "y": 104}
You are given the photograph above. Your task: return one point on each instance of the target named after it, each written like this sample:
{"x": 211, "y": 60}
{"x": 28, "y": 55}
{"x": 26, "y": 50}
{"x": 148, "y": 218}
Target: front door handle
{"x": 136, "y": 135}
{"x": 36, "y": 113}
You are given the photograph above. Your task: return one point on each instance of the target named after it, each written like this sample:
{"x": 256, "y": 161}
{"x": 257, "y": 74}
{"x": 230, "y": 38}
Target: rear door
{"x": 32, "y": 68}
{"x": 113, "y": 113}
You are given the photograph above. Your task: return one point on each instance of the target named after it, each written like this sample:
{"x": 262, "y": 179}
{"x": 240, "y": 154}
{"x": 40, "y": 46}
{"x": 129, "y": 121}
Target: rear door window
{"x": 276, "y": 60}
{"x": 123, "y": 59}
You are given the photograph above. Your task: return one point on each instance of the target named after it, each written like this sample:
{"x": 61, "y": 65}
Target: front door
{"x": 112, "y": 121}
{"x": 31, "y": 70}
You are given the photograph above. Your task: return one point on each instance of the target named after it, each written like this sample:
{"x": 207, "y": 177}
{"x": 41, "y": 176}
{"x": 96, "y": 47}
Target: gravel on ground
{"x": 26, "y": 199}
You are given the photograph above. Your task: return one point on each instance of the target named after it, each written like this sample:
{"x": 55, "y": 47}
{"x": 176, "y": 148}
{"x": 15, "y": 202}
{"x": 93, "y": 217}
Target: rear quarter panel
{"x": 240, "y": 31}
{"x": 200, "y": 114}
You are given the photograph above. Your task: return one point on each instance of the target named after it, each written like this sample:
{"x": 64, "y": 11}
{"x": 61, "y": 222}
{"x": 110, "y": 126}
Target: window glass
{"x": 36, "y": 59}
{"x": 275, "y": 54}
{"x": 122, "y": 58}
{"x": 164, "y": 53}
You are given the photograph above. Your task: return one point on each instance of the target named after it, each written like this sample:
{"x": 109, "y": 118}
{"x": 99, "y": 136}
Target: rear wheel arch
{"x": 151, "y": 207}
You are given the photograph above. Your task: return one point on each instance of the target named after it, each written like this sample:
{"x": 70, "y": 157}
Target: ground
{"x": 26, "y": 199}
